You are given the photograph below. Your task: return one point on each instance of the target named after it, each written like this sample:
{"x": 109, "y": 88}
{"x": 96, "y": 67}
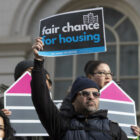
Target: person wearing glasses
{"x": 100, "y": 72}
{"x": 20, "y": 69}
{"x": 27, "y": 65}
{"x": 82, "y": 120}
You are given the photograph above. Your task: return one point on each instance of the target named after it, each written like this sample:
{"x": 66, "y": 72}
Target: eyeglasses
{"x": 87, "y": 93}
{"x": 103, "y": 74}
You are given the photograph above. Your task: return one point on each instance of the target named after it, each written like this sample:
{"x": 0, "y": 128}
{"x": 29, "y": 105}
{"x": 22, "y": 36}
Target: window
{"x": 121, "y": 55}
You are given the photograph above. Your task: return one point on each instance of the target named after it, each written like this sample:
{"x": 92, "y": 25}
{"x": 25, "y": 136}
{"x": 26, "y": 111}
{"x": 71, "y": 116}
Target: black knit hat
{"x": 80, "y": 84}
{"x": 21, "y": 67}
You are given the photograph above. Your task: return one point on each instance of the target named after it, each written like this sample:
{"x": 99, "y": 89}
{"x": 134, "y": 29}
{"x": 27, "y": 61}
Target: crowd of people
{"x": 79, "y": 116}
{"x": 79, "y": 106}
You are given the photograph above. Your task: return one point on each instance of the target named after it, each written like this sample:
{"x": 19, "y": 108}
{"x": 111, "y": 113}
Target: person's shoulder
{"x": 113, "y": 122}
{"x": 116, "y": 130}
{"x": 114, "y": 125}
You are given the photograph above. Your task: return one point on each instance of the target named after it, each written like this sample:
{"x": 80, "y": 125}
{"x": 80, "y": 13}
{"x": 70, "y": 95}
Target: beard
{"x": 91, "y": 106}
{"x": 88, "y": 108}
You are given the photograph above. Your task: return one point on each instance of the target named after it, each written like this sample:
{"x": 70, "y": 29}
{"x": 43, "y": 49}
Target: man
{"x": 80, "y": 120}
{"x": 100, "y": 72}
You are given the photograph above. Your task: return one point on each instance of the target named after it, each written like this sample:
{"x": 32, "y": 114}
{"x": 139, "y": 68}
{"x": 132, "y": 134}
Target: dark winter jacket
{"x": 67, "y": 124}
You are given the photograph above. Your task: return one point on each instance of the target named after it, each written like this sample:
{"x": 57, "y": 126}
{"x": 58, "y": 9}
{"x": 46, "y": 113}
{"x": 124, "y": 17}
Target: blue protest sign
{"x": 71, "y": 33}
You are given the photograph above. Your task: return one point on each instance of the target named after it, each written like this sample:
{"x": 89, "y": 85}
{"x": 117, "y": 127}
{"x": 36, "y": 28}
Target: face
{"x": 1, "y": 128}
{"x": 102, "y": 75}
{"x": 86, "y": 103}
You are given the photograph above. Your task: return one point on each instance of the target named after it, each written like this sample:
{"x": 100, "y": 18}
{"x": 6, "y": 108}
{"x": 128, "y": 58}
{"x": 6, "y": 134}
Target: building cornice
{"x": 22, "y": 43}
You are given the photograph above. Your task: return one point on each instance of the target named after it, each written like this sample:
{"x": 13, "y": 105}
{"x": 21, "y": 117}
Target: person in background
{"x": 6, "y": 131}
{"x": 27, "y": 65}
{"x": 20, "y": 69}
{"x": 100, "y": 72}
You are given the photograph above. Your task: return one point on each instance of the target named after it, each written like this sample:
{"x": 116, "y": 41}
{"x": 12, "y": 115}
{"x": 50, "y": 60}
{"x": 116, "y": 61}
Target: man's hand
{"x": 136, "y": 130}
{"x": 6, "y": 112}
{"x": 38, "y": 46}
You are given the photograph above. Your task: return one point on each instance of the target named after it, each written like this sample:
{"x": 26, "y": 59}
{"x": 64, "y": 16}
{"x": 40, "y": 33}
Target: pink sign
{"x": 113, "y": 92}
{"x": 22, "y": 85}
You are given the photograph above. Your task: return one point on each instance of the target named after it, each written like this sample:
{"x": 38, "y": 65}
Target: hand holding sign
{"x": 136, "y": 130}
{"x": 121, "y": 108}
{"x": 38, "y": 46}
{"x": 72, "y": 33}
